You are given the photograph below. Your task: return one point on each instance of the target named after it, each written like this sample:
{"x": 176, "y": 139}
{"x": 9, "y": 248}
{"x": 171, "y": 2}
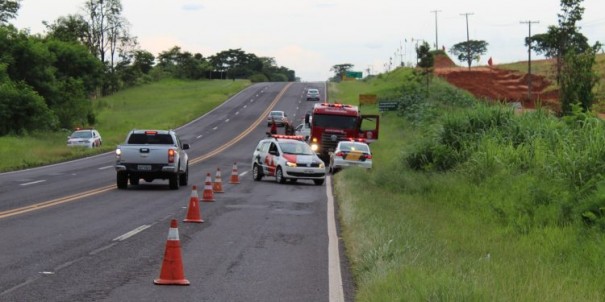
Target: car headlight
{"x": 289, "y": 164}
{"x": 322, "y": 165}
{"x": 314, "y": 147}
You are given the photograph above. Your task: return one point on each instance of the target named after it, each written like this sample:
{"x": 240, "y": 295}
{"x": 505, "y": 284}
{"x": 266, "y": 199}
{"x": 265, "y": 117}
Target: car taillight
{"x": 368, "y": 156}
{"x": 340, "y": 153}
{"x": 171, "y": 154}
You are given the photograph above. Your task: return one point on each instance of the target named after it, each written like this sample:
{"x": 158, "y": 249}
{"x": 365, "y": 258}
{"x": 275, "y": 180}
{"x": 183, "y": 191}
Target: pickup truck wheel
{"x": 173, "y": 181}
{"x": 122, "y": 180}
{"x": 256, "y": 173}
{"x": 318, "y": 182}
{"x": 279, "y": 176}
{"x": 134, "y": 180}
{"x": 184, "y": 178}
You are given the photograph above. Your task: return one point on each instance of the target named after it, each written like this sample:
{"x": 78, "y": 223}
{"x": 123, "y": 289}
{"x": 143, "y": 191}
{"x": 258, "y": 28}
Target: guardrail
{"x": 387, "y": 105}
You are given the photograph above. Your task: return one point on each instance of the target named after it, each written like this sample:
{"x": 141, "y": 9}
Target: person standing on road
{"x": 273, "y": 126}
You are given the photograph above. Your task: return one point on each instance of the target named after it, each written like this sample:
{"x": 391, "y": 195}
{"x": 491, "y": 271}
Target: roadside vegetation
{"x": 472, "y": 202}
{"x": 165, "y": 104}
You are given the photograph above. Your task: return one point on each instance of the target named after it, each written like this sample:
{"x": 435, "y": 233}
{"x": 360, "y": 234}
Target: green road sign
{"x": 354, "y": 74}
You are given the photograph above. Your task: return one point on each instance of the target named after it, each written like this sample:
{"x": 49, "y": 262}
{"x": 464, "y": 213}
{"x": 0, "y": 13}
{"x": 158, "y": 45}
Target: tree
{"x": 8, "y": 10}
{"x": 72, "y": 28}
{"x": 468, "y": 51}
{"x": 340, "y": 70}
{"x": 426, "y": 62}
{"x": 574, "y": 57}
{"x": 577, "y": 80}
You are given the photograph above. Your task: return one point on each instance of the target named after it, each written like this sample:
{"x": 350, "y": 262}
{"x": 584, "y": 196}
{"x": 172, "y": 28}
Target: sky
{"x": 311, "y": 36}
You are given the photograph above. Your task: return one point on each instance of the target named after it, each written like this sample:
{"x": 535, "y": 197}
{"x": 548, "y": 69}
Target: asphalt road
{"x": 68, "y": 234}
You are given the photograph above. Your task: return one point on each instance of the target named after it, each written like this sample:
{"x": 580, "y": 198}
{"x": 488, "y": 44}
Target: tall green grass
{"x": 140, "y": 107}
{"x": 510, "y": 209}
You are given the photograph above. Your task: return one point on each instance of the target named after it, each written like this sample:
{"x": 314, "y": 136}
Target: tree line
{"x": 47, "y": 80}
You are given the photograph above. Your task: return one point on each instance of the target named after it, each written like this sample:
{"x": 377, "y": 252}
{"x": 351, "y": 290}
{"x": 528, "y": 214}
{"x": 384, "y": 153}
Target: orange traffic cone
{"x": 217, "y": 185}
{"x": 208, "y": 195}
{"x": 194, "y": 214}
{"x": 172, "y": 267}
{"x": 234, "y": 175}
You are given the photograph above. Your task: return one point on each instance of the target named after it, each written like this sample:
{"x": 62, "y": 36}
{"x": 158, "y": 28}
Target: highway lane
{"x": 261, "y": 241}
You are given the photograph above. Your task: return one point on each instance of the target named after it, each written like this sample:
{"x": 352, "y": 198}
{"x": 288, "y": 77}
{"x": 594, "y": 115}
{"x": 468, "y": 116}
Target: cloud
{"x": 192, "y": 6}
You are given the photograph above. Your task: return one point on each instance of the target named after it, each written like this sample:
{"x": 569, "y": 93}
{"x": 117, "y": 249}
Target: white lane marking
{"x": 106, "y": 167}
{"x": 131, "y": 233}
{"x": 237, "y": 113}
{"x": 334, "y": 274}
{"x": 243, "y": 173}
{"x": 245, "y": 106}
{"x": 251, "y": 100}
{"x": 33, "y": 182}
{"x": 199, "y": 136}
{"x": 215, "y": 128}
{"x": 227, "y": 120}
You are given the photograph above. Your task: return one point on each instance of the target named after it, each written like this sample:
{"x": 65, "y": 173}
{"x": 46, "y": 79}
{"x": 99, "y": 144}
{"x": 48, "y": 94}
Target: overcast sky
{"x": 310, "y": 36}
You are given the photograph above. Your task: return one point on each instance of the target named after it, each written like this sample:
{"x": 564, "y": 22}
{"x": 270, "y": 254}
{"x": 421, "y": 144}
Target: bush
{"x": 258, "y": 78}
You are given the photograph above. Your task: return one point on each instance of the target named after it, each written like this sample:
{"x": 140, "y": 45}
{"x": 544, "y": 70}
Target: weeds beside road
{"x": 475, "y": 203}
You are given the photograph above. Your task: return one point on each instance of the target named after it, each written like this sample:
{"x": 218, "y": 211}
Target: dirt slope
{"x": 496, "y": 84}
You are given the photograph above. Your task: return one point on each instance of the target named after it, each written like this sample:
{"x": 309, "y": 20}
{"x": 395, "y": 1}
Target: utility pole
{"x": 529, "y": 23}
{"x": 468, "y": 47}
{"x": 436, "y": 32}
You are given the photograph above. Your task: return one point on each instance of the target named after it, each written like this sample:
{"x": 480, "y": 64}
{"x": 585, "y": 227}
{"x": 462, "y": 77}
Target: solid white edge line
{"x": 334, "y": 274}
{"x": 105, "y": 168}
{"x": 131, "y": 233}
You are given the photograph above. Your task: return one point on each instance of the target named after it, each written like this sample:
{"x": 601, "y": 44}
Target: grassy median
{"x": 166, "y": 104}
{"x": 474, "y": 203}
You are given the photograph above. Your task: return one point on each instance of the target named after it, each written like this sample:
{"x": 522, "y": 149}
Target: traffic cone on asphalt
{"x": 234, "y": 175}
{"x": 172, "y": 266}
{"x": 217, "y": 185}
{"x": 208, "y": 195}
{"x": 194, "y": 213}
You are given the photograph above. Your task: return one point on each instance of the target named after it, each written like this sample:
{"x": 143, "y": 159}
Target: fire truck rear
{"x": 331, "y": 123}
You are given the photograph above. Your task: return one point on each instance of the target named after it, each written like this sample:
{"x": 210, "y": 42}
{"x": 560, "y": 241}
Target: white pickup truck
{"x": 152, "y": 154}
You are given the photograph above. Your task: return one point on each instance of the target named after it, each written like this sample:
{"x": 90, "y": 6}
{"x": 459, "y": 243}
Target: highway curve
{"x": 68, "y": 234}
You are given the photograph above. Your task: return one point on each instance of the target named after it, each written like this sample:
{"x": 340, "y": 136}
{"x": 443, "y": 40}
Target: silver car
{"x": 279, "y": 117}
{"x": 313, "y": 94}
{"x": 350, "y": 154}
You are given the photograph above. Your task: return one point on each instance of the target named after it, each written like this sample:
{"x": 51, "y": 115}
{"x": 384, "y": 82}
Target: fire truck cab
{"x": 333, "y": 122}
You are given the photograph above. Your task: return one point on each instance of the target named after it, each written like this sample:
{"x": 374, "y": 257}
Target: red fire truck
{"x": 331, "y": 123}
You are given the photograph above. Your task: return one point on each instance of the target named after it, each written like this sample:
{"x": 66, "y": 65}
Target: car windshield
{"x": 313, "y": 92}
{"x": 277, "y": 114}
{"x": 81, "y": 134}
{"x": 334, "y": 121}
{"x": 354, "y": 147}
{"x": 298, "y": 148}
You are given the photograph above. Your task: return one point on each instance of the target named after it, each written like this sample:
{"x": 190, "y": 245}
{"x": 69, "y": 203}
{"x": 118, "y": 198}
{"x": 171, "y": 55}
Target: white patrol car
{"x": 89, "y": 138}
{"x": 287, "y": 157}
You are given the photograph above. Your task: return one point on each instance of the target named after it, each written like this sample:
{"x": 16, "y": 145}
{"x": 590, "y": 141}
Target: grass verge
{"x": 491, "y": 229}
{"x": 140, "y": 107}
